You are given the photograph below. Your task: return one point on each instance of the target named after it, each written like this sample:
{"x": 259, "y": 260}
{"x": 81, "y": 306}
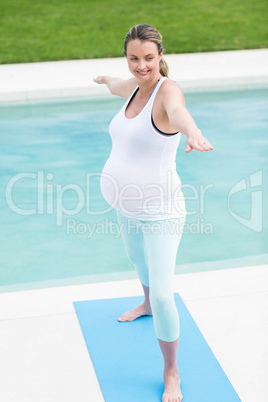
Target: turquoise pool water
{"x": 53, "y": 224}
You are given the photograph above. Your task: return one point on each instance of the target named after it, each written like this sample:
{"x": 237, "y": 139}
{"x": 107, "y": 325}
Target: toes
{"x": 167, "y": 399}
{"x": 124, "y": 318}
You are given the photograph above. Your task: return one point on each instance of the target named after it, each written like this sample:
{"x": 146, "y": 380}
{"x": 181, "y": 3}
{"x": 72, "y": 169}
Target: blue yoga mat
{"x": 128, "y": 360}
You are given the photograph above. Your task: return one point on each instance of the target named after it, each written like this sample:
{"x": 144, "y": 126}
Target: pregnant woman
{"x": 140, "y": 181}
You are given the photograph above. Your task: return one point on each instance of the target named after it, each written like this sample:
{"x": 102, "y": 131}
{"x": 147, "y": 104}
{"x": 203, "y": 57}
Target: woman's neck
{"x": 146, "y": 88}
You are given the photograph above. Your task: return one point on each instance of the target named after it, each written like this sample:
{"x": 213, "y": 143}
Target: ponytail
{"x": 163, "y": 67}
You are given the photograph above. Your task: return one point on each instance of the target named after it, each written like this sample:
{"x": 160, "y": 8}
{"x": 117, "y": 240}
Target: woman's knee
{"x": 136, "y": 252}
{"x": 137, "y": 258}
{"x": 161, "y": 300}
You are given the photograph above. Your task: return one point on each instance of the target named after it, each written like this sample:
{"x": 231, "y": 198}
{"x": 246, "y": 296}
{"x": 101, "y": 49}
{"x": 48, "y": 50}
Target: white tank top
{"x": 139, "y": 177}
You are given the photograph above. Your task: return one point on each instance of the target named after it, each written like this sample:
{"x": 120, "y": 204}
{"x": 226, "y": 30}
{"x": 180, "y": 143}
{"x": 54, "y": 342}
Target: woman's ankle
{"x": 171, "y": 370}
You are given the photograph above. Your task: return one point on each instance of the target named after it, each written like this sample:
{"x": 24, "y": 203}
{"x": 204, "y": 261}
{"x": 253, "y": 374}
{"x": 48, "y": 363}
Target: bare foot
{"x": 172, "y": 392}
{"x": 139, "y": 311}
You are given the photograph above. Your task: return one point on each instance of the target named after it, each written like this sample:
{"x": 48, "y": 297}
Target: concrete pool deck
{"x": 44, "y": 356}
{"x": 43, "y": 353}
{"x": 226, "y": 70}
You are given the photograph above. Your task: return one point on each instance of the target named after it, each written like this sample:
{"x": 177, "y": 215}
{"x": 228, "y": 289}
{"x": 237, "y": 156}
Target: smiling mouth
{"x": 143, "y": 72}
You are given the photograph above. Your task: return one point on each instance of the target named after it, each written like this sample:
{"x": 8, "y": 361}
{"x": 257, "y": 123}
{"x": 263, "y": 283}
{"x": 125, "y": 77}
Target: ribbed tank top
{"x": 139, "y": 177}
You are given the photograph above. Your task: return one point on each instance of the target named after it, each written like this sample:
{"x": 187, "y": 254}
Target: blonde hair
{"x": 145, "y": 32}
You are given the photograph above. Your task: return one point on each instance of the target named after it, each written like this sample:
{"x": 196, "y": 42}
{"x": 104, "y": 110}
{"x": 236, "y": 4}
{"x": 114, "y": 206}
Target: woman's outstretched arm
{"x": 181, "y": 120}
{"x": 117, "y": 86}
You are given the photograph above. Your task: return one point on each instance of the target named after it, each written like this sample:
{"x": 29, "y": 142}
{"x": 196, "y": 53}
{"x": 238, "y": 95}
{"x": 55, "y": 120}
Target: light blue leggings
{"x": 152, "y": 247}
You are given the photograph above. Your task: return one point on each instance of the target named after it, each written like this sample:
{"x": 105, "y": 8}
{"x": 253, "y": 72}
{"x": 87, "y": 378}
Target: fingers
{"x": 205, "y": 145}
{"x": 200, "y": 145}
{"x": 195, "y": 145}
{"x": 188, "y": 149}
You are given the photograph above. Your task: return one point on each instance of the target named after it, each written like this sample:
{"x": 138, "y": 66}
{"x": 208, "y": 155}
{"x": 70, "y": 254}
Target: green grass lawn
{"x": 35, "y": 30}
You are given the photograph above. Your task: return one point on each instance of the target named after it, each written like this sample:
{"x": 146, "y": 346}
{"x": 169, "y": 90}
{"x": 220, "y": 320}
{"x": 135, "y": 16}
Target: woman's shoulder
{"x": 170, "y": 90}
{"x": 170, "y": 86}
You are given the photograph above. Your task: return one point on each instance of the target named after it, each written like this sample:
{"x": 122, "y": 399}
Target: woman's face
{"x": 143, "y": 59}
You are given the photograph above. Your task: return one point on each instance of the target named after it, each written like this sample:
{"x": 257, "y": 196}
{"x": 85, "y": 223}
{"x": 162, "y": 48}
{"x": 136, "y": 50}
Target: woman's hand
{"x": 100, "y": 79}
{"x": 198, "y": 142}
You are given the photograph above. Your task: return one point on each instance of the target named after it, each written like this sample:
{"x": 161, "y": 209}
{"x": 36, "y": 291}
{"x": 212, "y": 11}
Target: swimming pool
{"x": 54, "y": 221}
